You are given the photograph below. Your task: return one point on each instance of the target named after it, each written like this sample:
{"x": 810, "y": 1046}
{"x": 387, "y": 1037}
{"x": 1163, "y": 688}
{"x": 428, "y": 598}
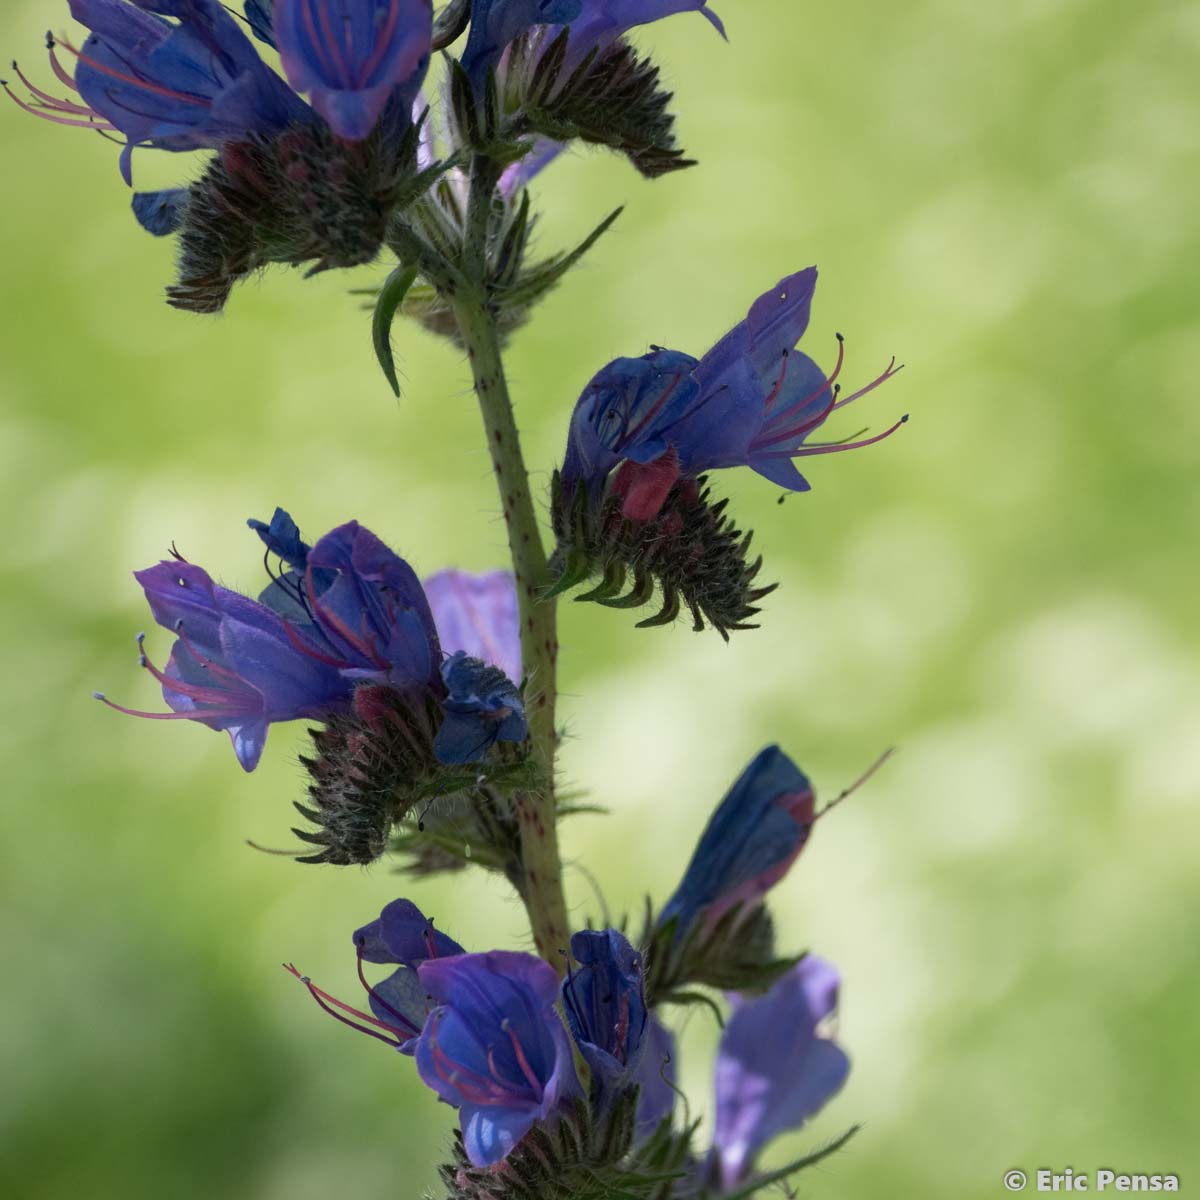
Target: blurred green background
{"x": 1005, "y": 196}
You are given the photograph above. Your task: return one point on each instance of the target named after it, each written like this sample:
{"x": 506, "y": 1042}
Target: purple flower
{"x": 752, "y": 400}
{"x": 605, "y": 1004}
{"x": 478, "y": 614}
{"x": 352, "y": 56}
{"x": 495, "y": 1047}
{"x": 181, "y": 74}
{"x": 495, "y": 23}
{"x": 176, "y": 85}
{"x": 593, "y": 25}
{"x": 482, "y": 706}
{"x": 404, "y": 936}
{"x": 346, "y": 611}
{"x": 603, "y": 21}
{"x": 774, "y": 1069}
{"x": 755, "y": 835}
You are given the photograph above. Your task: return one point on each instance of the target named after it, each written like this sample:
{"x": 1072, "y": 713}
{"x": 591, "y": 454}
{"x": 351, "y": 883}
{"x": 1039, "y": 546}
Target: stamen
{"x": 892, "y": 369}
{"x": 134, "y": 80}
{"x": 194, "y": 691}
{"x": 207, "y": 663}
{"x": 362, "y": 978}
{"x": 204, "y": 715}
{"x": 292, "y": 636}
{"x": 769, "y": 403}
{"x": 330, "y": 41}
{"x": 812, "y": 422}
{"x": 804, "y": 451}
{"x": 655, "y": 409}
{"x": 382, "y": 38}
{"x": 48, "y": 115}
{"x": 64, "y": 106}
{"x": 522, "y": 1061}
{"x": 64, "y": 76}
{"x": 325, "y": 1001}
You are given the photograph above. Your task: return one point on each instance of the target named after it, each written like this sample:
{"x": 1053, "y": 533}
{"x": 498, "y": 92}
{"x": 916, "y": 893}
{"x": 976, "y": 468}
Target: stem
{"x": 541, "y": 884}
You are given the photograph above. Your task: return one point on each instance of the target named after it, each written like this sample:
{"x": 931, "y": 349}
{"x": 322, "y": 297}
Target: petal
{"x": 408, "y": 934}
{"x": 773, "y": 1072}
{"x": 477, "y": 614}
{"x": 753, "y": 837}
{"x": 495, "y": 23}
{"x": 353, "y": 55}
{"x": 161, "y": 213}
{"x": 399, "y": 1001}
{"x": 455, "y": 980}
{"x": 248, "y": 743}
{"x": 490, "y": 1134}
{"x": 781, "y": 471}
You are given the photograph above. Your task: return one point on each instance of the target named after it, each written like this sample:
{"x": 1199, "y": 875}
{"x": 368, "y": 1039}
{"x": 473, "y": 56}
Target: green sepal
{"x": 391, "y": 296}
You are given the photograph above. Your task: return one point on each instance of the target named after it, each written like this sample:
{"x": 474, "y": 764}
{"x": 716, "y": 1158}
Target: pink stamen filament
{"x": 335, "y": 45}
{"x": 59, "y": 70}
{"x": 52, "y": 102}
{"x": 134, "y": 80}
{"x": 207, "y": 663}
{"x": 485, "y": 1090}
{"x": 892, "y": 369}
{"x": 816, "y": 420}
{"x": 774, "y": 393}
{"x": 522, "y": 1061}
{"x": 47, "y": 115}
{"x": 655, "y": 409}
{"x": 340, "y": 663}
{"x": 804, "y": 451}
{"x": 400, "y": 1017}
{"x": 329, "y": 1004}
{"x": 204, "y": 714}
{"x": 193, "y": 691}
{"x": 326, "y": 614}
{"x": 382, "y": 40}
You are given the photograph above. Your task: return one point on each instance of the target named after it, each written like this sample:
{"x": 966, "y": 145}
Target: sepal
{"x": 611, "y": 98}
{"x": 577, "y": 1155}
{"x": 304, "y": 198}
{"x": 690, "y": 552}
{"x": 735, "y": 955}
{"x": 375, "y": 769}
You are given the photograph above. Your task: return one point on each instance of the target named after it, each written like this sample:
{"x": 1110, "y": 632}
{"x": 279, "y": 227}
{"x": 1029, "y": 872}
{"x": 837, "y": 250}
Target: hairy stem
{"x": 541, "y": 883}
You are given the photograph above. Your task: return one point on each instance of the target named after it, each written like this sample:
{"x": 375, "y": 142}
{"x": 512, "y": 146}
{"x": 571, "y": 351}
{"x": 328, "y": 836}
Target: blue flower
{"x": 774, "y": 1068}
{"x": 402, "y": 935}
{"x": 752, "y": 400}
{"x": 181, "y": 74}
{"x": 482, "y": 706}
{"x": 593, "y": 25}
{"x": 605, "y": 1004}
{"x": 346, "y": 611}
{"x": 755, "y": 835}
{"x": 495, "y": 23}
{"x": 495, "y": 1047}
{"x": 354, "y": 55}
{"x": 477, "y": 614}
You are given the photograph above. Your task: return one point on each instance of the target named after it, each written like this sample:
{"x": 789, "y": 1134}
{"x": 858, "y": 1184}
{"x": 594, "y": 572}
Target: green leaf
{"x": 391, "y": 296}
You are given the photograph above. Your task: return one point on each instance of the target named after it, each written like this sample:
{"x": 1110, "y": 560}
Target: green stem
{"x": 541, "y": 876}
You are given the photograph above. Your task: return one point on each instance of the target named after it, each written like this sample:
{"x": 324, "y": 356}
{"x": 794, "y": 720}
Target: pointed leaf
{"x": 391, "y": 296}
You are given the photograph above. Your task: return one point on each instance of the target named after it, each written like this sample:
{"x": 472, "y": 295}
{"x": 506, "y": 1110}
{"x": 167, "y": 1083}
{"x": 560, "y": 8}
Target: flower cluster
{"x": 430, "y": 705}
{"x": 629, "y": 498}
{"x": 492, "y": 1033}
